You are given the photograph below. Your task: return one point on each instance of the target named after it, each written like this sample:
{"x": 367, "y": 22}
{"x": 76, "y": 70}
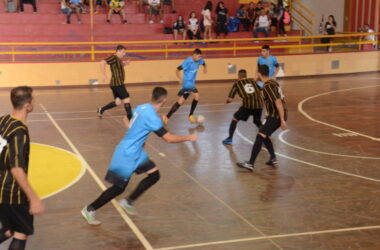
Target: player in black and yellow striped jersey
{"x": 117, "y": 85}
{"x": 252, "y": 103}
{"x": 275, "y": 118}
{"x": 18, "y": 201}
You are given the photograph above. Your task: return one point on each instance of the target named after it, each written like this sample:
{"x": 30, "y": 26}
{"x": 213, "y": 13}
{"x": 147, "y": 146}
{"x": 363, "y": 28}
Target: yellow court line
{"x": 129, "y": 222}
{"x": 301, "y": 110}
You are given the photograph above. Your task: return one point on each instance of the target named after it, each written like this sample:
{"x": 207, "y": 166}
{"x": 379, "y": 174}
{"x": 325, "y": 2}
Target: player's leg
{"x": 241, "y": 115}
{"x": 257, "y": 117}
{"x": 194, "y": 104}
{"x": 18, "y": 241}
{"x": 128, "y": 107}
{"x": 181, "y": 100}
{"x": 5, "y": 232}
{"x": 110, "y": 105}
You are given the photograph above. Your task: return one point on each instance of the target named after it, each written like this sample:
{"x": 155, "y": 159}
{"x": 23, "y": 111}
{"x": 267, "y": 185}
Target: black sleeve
{"x": 179, "y": 67}
{"x": 161, "y": 132}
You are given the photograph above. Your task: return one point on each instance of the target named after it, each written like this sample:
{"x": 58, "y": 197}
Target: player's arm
{"x": 126, "y": 63}
{"x": 172, "y": 138}
{"x": 103, "y": 65}
{"x": 232, "y": 94}
{"x": 178, "y": 73}
{"x": 277, "y": 66}
{"x": 204, "y": 68}
{"x": 280, "y": 109}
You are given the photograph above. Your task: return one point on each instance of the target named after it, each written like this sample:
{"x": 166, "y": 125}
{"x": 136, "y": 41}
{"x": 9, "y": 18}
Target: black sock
{"x": 232, "y": 128}
{"x": 256, "y": 148}
{"x": 3, "y": 237}
{"x": 128, "y": 109}
{"x": 173, "y": 109}
{"x": 108, "y": 106}
{"x": 105, "y": 197}
{"x": 268, "y": 144}
{"x": 17, "y": 244}
{"x": 144, "y": 185}
{"x": 193, "y": 106}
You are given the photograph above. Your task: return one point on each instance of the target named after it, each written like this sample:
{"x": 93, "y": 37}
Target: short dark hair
{"x": 120, "y": 47}
{"x": 264, "y": 70}
{"x": 197, "y": 52}
{"x": 158, "y": 94}
{"x": 21, "y": 96}
{"x": 242, "y": 73}
{"x": 266, "y": 46}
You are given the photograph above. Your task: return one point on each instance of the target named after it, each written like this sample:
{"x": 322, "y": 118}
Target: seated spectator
{"x": 262, "y": 25}
{"x": 11, "y": 6}
{"x": 258, "y": 8}
{"x": 221, "y": 19}
{"x": 32, "y": 2}
{"x": 367, "y": 29}
{"x": 179, "y": 28}
{"x": 193, "y": 27}
{"x": 171, "y": 4}
{"x": 272, "y": 13}
{"x": 65, "y": 9}
{"x": 155, "y": 8}
{"x": 97, "y": 4}
{"x": 76, "y": 7}
{"x": 117, "y": 7}
{"x": 241, "y": 14}
{"x": 251, "y": 14}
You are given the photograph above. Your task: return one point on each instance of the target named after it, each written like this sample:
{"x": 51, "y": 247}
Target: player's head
{"x": 159, "y": 95}
{"x": 265, "y": 50}
{"x": 120, "y": 51}
{"x": 197, "y": 55}
{"x": 263, "y": 71}
{"x": 242, "y": 74}
{"x": 21, "y": 98}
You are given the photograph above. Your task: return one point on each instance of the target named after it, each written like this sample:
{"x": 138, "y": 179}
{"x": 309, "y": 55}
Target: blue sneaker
{"x": 227, "y": 141}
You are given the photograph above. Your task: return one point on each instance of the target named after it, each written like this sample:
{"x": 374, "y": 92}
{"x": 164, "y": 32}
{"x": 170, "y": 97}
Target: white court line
{"x": 300, "y": 109}
{"x": 279, "y": 236}
{"x": 281, "y": 135}
{"x": 129, "y": 222}
{"x": 312, "y": 164}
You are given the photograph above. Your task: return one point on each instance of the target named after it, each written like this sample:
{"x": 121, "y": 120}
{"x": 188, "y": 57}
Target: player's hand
{"x": 193, "y": 137}
{"x": 126, "y": 63}
{"x": 229, "y": 100}
{"x": 37, "y": 207}
{"x": 283, "y": 125}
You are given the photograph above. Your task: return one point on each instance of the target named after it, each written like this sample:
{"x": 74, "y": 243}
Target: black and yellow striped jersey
{"x": 14, "y": 152}
{"x": 117, "y": 70}
{"x": 271, "y": 92}
{"x": 249, "y": 92}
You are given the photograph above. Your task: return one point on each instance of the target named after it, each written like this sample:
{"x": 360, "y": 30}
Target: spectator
{"x": 272, "y": 13}
{"x": 221, "y": 19}
{"x": 65, "y": 9}
{"x": 179, "y": 28}
{"x": 171, "y": 4}
{"x": 117, "y": 7}
{"x": 207, "y": 21}
{"x": 193, "y": 30}
{"x": 11, "y": 6}
{"x": 367, "y": 29}
{"x": 242, "y": 14}
{"x": 280, "y": 18}
{"x": 258, "y": 8}
{"x": 287, "y": 16}
{"x": 97, "y": 4}
{"x": 75, "y": 6}
{"x": 32, "y": 2}
{"x": 262, "y": 24}
{"x": 155, "y": 8}
{"x": 251, "y": 13}
{"x": 330, "y": 27}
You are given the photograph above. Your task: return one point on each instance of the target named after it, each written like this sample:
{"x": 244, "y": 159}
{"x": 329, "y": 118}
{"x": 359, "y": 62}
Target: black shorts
{"x": 243, "y": 114}
{"x": 186, "y": 92}
{"x": 120, "y": 92}
{"x": 270, "y": 125}
{"x": 114, "y": 179}
{"x": 16, "y": 218}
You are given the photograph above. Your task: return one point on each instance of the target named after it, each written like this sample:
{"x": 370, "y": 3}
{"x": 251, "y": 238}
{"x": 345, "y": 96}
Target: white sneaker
{"x": 151, "y": 22}
{"x": 161, "y": 21}
{"x": 127, "y": 207}
{"x": 89, "y": 216}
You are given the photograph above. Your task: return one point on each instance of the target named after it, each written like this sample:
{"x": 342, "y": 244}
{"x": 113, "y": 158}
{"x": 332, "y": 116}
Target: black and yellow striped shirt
{"x": 249, "y": 92}
{"x": 271, "y": 92}
{"x": 117, "y": 70}
{"x": 14, "y": 152}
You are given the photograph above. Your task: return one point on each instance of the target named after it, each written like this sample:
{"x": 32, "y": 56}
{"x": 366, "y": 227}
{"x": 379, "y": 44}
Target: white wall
{"x": 326, "y": 7}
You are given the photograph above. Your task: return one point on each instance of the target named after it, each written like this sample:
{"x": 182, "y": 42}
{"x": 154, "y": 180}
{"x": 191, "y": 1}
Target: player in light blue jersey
{"x": 267, "y": 59}
{"x": 190, "y": 69}
{"x": 130, "y": 157}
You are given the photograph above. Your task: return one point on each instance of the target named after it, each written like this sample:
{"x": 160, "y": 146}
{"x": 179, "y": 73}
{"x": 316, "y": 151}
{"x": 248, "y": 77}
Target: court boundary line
{"x": 276, "y": 236}
{"x": 280, "y": 136}
{"x": 98, "y": 181}
{"x": 301, "y": 110}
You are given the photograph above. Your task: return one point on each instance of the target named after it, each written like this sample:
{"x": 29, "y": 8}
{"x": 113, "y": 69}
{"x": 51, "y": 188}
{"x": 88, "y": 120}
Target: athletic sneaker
{"x": 192, "y": 119}
{"x": 245, "y": 165}
{"x": 272, "y": 162}
{"x": 161, "y": 21}
{"x": 227, "y": 141}
{"x": 100, "y": 112}
{"x": 165, "y": 119}
{"x": 151, "y": 22}
{"x": 89, "y": 216}
{"x": 127, "y": 206}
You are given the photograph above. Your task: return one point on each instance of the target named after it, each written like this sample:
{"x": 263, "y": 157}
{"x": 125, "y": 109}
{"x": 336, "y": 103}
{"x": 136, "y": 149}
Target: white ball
{"x": 200, "y": 119}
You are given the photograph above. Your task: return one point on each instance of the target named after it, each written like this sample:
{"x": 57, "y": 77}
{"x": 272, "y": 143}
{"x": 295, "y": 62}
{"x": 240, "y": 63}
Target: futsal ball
{"x": 200, "y": 119}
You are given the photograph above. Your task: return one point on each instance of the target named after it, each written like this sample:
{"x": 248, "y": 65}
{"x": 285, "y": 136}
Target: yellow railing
{"x": 166, "y": 47}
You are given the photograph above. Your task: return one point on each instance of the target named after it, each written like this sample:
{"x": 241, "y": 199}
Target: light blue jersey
{"x": 271, "y": 62}
{"x": 129, "y": 154}
{"x": 190, "y": 70}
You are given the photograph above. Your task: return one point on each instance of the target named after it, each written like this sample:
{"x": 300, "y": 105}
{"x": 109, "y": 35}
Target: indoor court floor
{"x": 324, "y": 195}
